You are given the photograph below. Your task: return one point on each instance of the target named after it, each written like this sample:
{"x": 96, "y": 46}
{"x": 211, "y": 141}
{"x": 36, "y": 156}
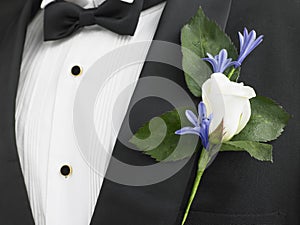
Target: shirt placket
{"x": 67, "y": 187}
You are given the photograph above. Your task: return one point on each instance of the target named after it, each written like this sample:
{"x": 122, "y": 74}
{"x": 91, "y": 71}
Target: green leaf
{"x": 266, "y": 123}
{"x": 259, "y": 151}
{"x": 199, "y": 37}
{"x": 196, "y": 71}
{"x": 157, "y": 138}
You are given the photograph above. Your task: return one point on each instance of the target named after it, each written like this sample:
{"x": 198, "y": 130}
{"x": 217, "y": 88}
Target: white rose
{"x": 227, "y": 101}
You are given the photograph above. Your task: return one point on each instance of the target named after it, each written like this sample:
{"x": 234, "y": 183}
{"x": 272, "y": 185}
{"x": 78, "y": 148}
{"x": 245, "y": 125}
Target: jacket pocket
{"x": 208, "y": 218}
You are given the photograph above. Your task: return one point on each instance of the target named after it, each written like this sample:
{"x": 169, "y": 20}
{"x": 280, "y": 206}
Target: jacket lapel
{"x": 159, "y": 203}
{"x": 14, "y": 204}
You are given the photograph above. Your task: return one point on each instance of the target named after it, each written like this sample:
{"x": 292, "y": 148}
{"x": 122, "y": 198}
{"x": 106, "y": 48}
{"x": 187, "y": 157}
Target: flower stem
{"x": 231, "y": 73}
{"x": 202, "y": 163}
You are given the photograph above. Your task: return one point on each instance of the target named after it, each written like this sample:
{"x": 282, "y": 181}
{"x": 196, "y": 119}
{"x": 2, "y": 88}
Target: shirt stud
{"x": 76, "y": 70}
{"x": 66, "y": 170}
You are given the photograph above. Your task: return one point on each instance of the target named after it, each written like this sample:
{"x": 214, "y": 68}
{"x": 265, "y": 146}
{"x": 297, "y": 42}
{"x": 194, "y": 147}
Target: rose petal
{"x": 213, "y": 99}
{"x": 232, "y": 116}
{"x": 245, "y": 117}
{"x": 227, "y": 101}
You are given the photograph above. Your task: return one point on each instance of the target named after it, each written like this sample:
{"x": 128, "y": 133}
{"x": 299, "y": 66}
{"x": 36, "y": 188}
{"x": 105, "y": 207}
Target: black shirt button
{"x": 76, "y": 70}
{"x": 66, "y": 170}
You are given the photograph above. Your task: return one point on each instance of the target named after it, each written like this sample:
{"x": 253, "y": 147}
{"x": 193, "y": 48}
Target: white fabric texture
{"x": 82, "y": 3}
{"x": 44, "y": 122}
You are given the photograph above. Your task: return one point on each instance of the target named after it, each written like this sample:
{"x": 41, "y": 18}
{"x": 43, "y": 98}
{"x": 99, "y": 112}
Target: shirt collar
{"x": 82, "y": 3}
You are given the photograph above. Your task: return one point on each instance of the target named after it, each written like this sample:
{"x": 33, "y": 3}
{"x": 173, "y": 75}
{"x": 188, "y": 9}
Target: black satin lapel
{"x": 160, "y": 203}
{"x": 14, "y": 204}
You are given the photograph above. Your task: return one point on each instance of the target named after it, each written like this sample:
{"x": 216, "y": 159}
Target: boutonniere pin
{"x": 230, "y": 116}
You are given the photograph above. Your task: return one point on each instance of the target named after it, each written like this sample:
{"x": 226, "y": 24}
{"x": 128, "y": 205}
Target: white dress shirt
{"x": 44, "y": 122}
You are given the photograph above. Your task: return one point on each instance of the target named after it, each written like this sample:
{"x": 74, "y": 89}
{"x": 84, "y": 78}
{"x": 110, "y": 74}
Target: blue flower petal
{"x": 220, "y": 62}
{"x": 187, "y": 130}
{"x": 201, "y": 111}
{"x": 241, "y": 37}
{"x": 248, "y": 42}
{"x": 201, "y": 124}
{"x": 191, "y": 117}
{"x": 256, "y": 43}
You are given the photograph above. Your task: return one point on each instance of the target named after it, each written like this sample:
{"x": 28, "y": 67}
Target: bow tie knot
{"x": 61, "y": 18}
{"x": 86, "y": 18}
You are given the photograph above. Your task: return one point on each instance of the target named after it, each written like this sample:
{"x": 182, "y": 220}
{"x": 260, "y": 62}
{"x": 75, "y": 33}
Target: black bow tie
{"x": 61, "y": 18}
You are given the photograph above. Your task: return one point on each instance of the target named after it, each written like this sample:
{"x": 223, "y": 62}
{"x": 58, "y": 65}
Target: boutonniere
{"x": 230, "y": 115}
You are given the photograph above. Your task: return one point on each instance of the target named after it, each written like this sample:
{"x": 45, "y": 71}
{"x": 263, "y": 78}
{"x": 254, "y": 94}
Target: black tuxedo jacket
{"x": 236, "y": 189}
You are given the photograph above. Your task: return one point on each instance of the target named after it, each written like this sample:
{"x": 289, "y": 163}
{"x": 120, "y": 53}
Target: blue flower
{"x": 248, "y": 43}
{"x": 201, "y": 125}
{"x": 220, "y": 62}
